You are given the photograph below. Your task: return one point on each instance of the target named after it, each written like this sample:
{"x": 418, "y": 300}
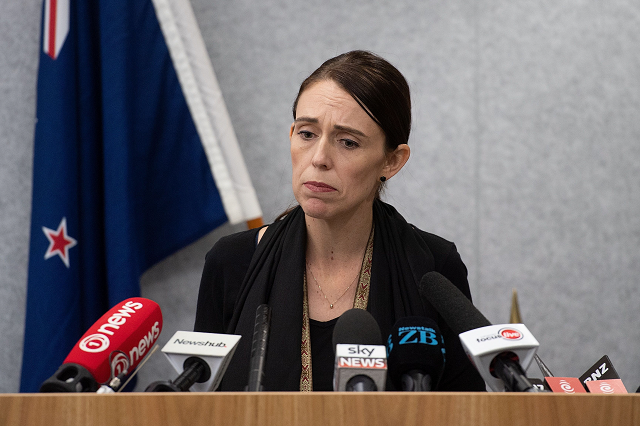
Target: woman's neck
{"x": 334, "y": 254}
{"x": 333, "y": 243}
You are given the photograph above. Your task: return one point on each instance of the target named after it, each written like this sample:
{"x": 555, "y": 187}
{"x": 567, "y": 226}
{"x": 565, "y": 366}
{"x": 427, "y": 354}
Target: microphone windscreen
{"x": 456, "y": 309}
{"x": 130, "y": 328}
{"x": 415, "y": 343}
{"x": 356, "y": 327}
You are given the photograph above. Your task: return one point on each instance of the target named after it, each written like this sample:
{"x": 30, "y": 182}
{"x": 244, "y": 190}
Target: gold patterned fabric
{"x": 306, "y": 383}
{"x": 360, "y": 302}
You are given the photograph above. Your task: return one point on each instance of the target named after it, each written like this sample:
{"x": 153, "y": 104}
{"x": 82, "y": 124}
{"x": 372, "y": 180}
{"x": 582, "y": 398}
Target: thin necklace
{"x": 325, "y": 296}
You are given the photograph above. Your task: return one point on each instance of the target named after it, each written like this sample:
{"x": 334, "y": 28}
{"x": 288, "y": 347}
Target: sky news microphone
{"x": 415, "y": 354}
{"x": 361, "y": 362}
{"x": 500, "y": 353}
{"x": 114, "y": 345}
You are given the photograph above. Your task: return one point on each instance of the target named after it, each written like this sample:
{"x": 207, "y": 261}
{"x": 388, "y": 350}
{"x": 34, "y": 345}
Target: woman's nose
{"x": 322, "y": 153}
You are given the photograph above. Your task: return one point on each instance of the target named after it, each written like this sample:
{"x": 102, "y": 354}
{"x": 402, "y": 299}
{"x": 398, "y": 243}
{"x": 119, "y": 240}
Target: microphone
{"x": 361, "y": 362}
{"x": 601, "y": 370}
{"x": 259, "y": 348}
{"x": 606, "y": 386}
{"x": 415, "y": 354}
{"x": 500, "y": 353}
{"x": 602, "y": 377}
{"x": 570, "y": 385}
{"x": 540, "y": 384}
{"x": 200, "y": 358}
{"x": 112, "y": 347}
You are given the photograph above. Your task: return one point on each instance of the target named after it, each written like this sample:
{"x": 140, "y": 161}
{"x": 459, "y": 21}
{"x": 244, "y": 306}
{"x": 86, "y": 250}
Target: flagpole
{"x": 516, "y": 318}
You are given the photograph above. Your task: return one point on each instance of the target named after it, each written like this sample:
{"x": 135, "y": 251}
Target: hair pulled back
{"x": 378, "y": 87}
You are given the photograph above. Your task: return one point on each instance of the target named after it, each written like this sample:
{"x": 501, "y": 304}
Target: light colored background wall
{"x": 525, "y": 152}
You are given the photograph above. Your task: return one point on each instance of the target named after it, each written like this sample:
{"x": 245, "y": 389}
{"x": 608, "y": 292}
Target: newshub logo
{"x": 206, "y": 343}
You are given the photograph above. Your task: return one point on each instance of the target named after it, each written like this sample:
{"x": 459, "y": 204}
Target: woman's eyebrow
{"x": 349, "y": 129}
{"x": 306, "y": 120}
{"x": 337, "y": 126}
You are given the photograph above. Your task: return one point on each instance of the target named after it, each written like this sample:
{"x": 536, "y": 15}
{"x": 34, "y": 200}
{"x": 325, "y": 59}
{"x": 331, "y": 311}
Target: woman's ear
{"x": 293, "y": 125}
{"x": 396, "y": 160}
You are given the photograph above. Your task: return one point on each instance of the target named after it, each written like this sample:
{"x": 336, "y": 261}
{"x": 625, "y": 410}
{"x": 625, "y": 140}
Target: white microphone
{"x": 501, "y": 353}
{"x": 200, "y": 358}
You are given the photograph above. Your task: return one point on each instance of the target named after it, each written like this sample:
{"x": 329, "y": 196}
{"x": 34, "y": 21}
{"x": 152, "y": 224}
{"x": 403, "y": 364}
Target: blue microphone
{"x": 415, "y": 354}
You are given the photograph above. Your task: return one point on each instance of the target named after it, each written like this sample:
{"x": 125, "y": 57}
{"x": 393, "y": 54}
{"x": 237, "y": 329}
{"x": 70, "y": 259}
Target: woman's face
{"x": 337, "y": 153}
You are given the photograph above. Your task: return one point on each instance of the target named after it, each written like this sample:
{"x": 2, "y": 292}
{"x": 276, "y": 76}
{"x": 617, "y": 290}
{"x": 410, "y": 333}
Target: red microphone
{"x": 113, "y": 346}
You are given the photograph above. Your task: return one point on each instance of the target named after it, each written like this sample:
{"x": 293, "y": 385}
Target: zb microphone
{"x": 113, "y": 346}
{"x": 415, "y": 354}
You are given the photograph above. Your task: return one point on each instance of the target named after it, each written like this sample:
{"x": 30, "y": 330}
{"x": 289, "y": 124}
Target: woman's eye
{"x": 305, "y": 134}
{"x": 348, "y": 143}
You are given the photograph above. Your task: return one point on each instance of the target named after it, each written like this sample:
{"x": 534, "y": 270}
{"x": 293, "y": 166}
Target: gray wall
{"x": 525, "y": 152}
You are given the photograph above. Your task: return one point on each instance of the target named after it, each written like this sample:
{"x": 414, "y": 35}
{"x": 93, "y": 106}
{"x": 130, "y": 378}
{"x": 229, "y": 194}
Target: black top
{"x": 231, "y": 260}
{"x": 322, "y": 357}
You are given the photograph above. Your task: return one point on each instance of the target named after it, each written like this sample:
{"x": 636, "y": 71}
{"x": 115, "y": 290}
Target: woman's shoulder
{"x": 440, "y": 247}
{"x": 447, "y": 259}
{"x": 240, "y": 244}
{"x": 224, "y": 269}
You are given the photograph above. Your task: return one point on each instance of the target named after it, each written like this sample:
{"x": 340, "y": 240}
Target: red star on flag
{"x": 59, "y": 242}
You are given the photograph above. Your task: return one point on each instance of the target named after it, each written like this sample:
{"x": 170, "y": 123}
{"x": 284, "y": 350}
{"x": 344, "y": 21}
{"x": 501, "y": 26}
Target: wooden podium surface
{"x": 320, "y": 408}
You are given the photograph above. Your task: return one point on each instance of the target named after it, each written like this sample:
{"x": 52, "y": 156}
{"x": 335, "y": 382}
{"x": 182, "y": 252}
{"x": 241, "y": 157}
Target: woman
{"x": 341, "y": 247}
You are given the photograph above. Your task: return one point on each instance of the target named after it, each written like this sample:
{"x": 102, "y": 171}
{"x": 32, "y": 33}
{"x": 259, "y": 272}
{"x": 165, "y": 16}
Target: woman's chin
{"x": 316, "y": 209}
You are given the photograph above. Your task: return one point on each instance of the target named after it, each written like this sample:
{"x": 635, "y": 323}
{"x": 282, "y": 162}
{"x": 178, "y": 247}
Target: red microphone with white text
{"x": 112, "y": 347}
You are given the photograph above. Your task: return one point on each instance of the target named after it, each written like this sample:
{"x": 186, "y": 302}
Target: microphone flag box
{"x": 601, "y": 370}
{"x": 354, "y": 360}
{"x": 540, "y": 384}
{"x": 484, "y": 343}
{"x": 569, "y": 385}
{"x": 606, "y": 386}
{"x": 215, "y": 349}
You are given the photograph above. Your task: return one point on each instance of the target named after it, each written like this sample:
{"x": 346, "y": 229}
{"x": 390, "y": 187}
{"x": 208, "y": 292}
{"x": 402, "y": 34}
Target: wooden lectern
{"x": 320, "y": 408}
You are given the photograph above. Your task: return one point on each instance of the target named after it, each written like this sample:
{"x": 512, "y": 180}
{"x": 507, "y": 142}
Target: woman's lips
{"x": 318, "y": 186}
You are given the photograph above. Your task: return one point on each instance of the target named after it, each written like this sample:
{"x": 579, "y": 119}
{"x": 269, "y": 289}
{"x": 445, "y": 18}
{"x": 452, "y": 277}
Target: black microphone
{"x": 356, "y": 327}
{"x": 259, "y": 348}
{"x": 361, "y": 362}
{"x": 495, "y": 350}
{"x": 454, "y": 307}
{"x": 415, "y": 354}
{"x": 196, "y": 370}
{"x": 601, "y": 371}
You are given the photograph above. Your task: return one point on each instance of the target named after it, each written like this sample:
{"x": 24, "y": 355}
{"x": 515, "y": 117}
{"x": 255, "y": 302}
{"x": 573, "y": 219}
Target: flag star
{"x": 59, "y": 242}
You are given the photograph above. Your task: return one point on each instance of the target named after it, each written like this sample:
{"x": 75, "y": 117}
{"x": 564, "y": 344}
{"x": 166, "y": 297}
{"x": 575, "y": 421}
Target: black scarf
{"x": 275, "y": 276}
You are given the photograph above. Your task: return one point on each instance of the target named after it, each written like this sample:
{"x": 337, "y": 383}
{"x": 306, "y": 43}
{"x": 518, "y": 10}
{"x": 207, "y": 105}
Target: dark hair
{"x": 378, "y": 87}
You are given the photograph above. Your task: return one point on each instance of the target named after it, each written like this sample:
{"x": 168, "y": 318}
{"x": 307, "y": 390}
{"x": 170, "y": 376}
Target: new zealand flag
{"x": 123, "y": 174}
